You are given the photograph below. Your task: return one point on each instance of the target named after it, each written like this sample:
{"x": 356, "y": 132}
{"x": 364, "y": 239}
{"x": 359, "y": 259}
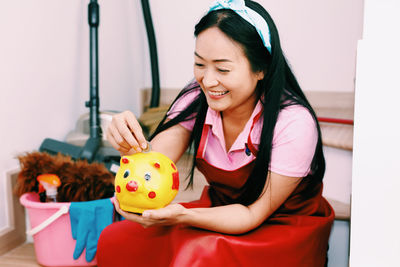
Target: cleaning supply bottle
{"x": 50, "y": 183}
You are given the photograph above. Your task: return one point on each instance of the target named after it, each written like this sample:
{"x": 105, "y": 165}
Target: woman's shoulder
{"x": 185, "y": 97}
{"x": 297, "y": 114}
{"x": 295, "y": 121}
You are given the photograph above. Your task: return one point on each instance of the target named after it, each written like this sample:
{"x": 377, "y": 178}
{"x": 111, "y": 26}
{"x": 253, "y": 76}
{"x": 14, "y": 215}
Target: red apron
{"x": 295, "y": 235}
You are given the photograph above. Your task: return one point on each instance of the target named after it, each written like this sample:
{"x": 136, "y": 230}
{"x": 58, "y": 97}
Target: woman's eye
{"x": 223, "y": 70}
{"x": 126, "y": 173}
{"x": 147, "y": 176}
{"x": 198, "y": 65}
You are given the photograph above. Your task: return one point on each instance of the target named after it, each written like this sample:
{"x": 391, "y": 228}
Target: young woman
{"x": 258, "y": 143}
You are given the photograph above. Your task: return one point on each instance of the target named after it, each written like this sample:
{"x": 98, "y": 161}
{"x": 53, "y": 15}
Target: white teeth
{"x": 217, "y": 93}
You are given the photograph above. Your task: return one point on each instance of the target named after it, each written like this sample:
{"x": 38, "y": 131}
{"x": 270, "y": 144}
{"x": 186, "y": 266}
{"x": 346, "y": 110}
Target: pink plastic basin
{"x": 54, "y": 245}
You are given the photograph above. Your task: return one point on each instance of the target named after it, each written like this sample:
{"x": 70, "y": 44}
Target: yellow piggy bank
{"x": 146, "y": 181}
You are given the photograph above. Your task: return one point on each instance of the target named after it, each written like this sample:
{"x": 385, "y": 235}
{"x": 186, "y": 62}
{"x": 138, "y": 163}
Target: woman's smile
{"x": 217, "y": 94}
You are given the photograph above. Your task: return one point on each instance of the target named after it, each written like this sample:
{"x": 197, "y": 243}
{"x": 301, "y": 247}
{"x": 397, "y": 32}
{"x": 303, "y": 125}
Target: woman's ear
{"x": 260, "y": 75}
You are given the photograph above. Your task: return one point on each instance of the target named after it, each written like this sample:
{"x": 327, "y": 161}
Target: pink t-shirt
{"x": 293, "y": 145}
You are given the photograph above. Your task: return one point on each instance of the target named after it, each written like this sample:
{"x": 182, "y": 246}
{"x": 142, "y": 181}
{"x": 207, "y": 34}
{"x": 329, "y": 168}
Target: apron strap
{"x": 249, "y": 144}
{"x": 203, "y": 141}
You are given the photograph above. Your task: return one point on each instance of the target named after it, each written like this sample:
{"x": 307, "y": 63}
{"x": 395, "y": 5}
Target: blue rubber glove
{"x": 88, "y": 219}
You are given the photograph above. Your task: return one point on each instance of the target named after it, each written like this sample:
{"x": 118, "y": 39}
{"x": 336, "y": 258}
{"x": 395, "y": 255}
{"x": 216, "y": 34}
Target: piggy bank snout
{"x": 132, "y": 186}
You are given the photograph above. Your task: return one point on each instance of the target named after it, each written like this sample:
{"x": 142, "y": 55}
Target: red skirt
{"x": 281, "y": 241}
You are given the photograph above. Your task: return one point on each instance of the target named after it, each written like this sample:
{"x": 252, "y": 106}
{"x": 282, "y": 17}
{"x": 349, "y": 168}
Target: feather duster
{"x": 80, "y": 180}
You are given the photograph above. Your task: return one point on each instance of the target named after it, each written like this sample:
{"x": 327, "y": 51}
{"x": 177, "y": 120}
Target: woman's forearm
{"x": 230, "y": 219}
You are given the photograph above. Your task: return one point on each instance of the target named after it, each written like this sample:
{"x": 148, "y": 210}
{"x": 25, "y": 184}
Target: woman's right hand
{"x": 125, "y": 134}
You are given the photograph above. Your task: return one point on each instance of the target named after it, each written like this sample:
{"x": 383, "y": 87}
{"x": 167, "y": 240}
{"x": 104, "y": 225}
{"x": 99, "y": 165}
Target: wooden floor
{"x": 22, "y": 256}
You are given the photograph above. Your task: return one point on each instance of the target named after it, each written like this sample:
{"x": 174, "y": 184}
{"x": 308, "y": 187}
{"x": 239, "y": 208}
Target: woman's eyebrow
{"x": 215, "y": 60}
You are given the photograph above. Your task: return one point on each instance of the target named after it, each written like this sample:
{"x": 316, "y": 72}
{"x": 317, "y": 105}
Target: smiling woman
{"x": 226, "y": 79}
{"x": 257, "y": 141}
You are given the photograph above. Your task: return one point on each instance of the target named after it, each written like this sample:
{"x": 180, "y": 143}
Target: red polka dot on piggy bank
{"x": 146, "y": 181}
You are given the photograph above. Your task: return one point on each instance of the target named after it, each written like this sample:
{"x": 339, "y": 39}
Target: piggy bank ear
{"x": 124, "y": 160}
{"x": 160, "y": 167}
{"x": 173, "y": 166}
{"x": 157, "y": 165}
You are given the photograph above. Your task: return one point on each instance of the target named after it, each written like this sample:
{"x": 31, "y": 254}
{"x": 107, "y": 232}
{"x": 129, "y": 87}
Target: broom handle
{"x": 93, "y": 103}
{"x": 94, "y": 142}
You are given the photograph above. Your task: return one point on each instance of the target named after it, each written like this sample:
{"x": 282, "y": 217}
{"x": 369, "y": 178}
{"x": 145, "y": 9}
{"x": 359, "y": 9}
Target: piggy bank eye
{"x": 147, "y": 176}
{"x": 126, "y": 173}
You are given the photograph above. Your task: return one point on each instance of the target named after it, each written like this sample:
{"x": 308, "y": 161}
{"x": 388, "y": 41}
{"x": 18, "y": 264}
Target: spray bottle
{"x": 50, "y": 183}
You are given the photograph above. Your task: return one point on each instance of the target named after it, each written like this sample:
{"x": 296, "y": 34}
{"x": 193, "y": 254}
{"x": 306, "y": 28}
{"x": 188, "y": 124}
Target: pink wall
{"x": 319, "y": 38}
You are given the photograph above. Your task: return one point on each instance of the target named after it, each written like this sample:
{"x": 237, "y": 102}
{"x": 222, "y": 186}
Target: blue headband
{"x": 249, "y": 15}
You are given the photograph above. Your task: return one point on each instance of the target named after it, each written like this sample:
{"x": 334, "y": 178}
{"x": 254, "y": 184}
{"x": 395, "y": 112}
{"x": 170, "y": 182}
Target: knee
{"x": 116, "y": 234}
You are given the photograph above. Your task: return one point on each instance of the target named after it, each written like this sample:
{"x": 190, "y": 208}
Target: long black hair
{"x": 277, "y": 90}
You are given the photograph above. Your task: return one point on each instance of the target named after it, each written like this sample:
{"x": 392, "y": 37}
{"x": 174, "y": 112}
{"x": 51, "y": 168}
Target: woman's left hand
{"x": 168, "y": 215}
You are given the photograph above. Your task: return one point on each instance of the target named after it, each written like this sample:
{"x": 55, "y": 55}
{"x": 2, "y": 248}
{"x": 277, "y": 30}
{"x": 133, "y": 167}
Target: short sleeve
{"x": 294, "y": 142}
{"x": 181, "y": 104}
